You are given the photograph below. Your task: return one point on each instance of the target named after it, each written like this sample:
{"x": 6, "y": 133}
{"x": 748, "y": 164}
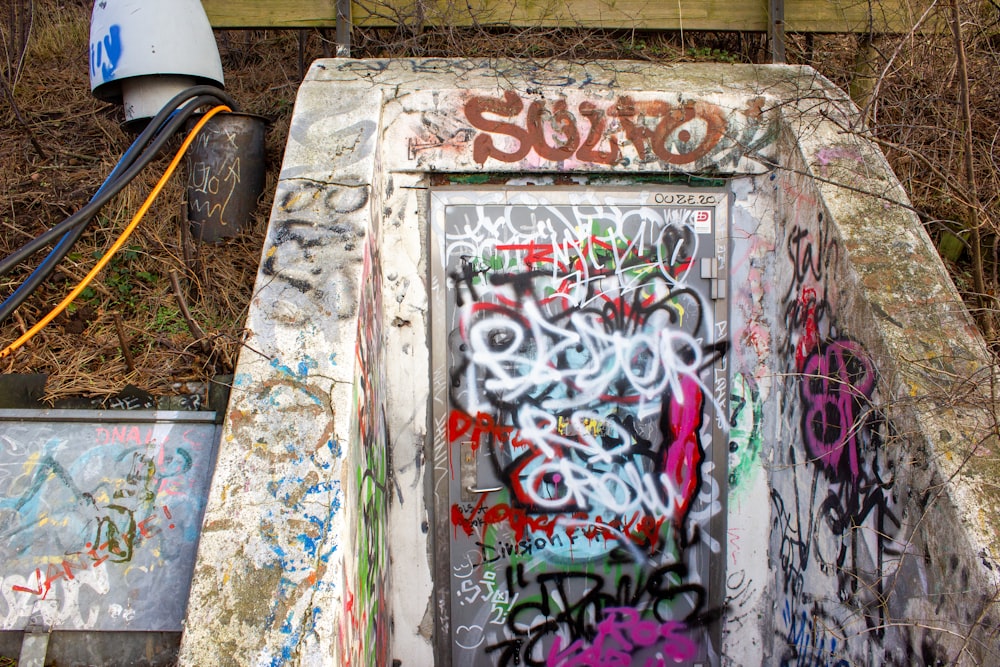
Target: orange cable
{"x": 119, "y": 242}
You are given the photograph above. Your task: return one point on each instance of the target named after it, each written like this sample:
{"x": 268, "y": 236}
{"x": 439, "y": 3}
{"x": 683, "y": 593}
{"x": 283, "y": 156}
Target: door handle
{"x": 470, "y": 474}
{"x": 472, "y": 489}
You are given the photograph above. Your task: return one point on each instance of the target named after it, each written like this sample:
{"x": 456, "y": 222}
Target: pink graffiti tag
{"x": 684, "y": 454}
{"x": 837, "y": 381}
{"x": 620, "y": 635}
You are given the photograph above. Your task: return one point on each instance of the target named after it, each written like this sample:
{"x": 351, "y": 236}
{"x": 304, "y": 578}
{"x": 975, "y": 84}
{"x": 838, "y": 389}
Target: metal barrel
{"x": 225, "y": 175}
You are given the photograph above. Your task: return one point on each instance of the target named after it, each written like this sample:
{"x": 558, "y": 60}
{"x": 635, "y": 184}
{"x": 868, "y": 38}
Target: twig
{"x": 70, "y": 275}
{"x": 20, "y": 323}
{"x": 196, "y": 330}
{"x": 124, "y": 343}
{"x": 877, "y": 88}
{"x": 21, "y": 121}
{"x": 978, "y": 272}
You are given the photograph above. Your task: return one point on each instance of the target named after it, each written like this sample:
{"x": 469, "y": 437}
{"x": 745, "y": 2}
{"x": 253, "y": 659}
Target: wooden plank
{"x": 271, "y": 13}
{"x": 825, "y": 16}
{"x": 717, "y": 15}
{"x": 612, "y": 14}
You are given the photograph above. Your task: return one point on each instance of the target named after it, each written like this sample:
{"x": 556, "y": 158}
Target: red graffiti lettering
{"x": 22, "y": 589}
{"x": 588, "y": 152}
{"x": 517, "y": 519}
{"x": 92, "y": 552}
{"x": 483, "y": 424}
{"x": 144, "y": 528}
{"x": 810, "y": 337}
{"x": 639, "y": 528}
{"x": 483, "y": 146}
{"x": 566, "y": 124}
{"x": 126, "y": 435}
{"x": 53, "y": 573}
{"x": 534, "y": 253}
{"x": 669, "y": 128}
{"x": 656, "y": 130}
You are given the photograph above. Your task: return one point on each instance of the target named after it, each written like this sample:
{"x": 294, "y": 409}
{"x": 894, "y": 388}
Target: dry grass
{"x": 81, "y": 351}
{"x": 915, "y": 115}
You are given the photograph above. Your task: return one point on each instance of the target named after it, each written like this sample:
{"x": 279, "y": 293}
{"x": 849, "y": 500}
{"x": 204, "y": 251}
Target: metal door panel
{"x": 580, "y": 379}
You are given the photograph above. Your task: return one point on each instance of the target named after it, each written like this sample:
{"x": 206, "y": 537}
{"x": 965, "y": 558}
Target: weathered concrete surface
{"x": 868, "y": 538}
{"x": 863, "y": 440}
{"x": 269, "y": 585}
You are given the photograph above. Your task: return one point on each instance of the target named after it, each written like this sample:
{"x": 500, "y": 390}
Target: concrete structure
{"x": 572, "y": 364}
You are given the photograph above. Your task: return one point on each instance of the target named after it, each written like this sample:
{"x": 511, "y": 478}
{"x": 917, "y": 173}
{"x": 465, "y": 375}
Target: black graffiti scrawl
{"x": 835, "y": 523}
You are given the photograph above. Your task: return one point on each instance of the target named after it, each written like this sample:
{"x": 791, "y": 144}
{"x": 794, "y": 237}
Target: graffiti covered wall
{"x": 855, "y": 562}
{"x": 582, "y": 354}
{"x": 99, "y": 519}
{"x": 835, "y": 521}
{"x": 364, "y": 631}
{"x": 271, "y": 581}
{"x": 488, "y": 295}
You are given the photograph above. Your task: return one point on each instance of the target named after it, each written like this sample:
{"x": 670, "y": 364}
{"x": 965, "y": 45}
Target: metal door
{"x": 580, "y": 383}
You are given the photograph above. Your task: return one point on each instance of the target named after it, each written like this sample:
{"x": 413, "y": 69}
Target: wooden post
{"x": 343, "y": 28}
{"x": 776, "y": 29}
{"x": 862, "y": 83}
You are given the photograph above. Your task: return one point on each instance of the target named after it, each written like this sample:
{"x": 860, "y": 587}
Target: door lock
{"x": 470, "y": 473}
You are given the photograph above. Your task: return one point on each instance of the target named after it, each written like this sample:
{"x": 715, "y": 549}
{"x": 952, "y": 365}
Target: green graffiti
{"x": 744, "y": 431}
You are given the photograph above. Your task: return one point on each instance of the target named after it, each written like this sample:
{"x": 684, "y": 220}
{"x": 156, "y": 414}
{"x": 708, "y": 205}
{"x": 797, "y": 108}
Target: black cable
{"x": 48, "y": 265}
{"x": 144, "y": 158}
{"x": 89, "y": 210}
{"x": 74, "y": 226}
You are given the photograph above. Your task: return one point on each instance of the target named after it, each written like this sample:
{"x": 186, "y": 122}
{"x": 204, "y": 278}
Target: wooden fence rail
{"x": 820, "y": 16}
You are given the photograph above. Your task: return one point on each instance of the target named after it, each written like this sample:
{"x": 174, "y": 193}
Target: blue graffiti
{"x": 318, "y": 504}
{"x": 806, "y": 640}
{"x": 106, "y": 53}
{"x": 287, "y": 649}
{"x": 299, "y": 376}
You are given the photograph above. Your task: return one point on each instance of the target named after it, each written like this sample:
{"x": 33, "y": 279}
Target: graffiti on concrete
{"x": 511, "y": 127}
{"x": 317, "y": 222}
{"x": 571, "y": 128}
{"x": 675, "y": 134}
{"x": 811, "y": 640}
{"x": 836, "y": 390}
{"x": 836, "y": 527}
{"x": 745, "y": 430}
{"x": 365, "y": 639}
{"x": 99, "y": 522}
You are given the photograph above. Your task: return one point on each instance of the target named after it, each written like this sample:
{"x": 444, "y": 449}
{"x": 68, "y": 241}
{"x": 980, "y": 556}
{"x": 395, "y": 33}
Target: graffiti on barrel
{"x": 581, "y": 349}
